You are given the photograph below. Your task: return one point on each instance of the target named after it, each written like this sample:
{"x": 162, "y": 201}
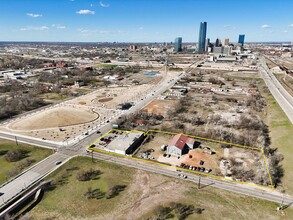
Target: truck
{"x": 115, "y": 126}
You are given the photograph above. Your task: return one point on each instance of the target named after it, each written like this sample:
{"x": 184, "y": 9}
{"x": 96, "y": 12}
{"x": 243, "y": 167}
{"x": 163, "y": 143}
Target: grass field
{"x": 35, "y": 153}
{"x": 281, "y": 131}
{"x": 144, "y": 193}
{"x": 51, "y": 97}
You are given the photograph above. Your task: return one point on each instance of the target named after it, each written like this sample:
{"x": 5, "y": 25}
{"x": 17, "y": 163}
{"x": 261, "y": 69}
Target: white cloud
{"x": 31, "y": 28}
{"x": 34, "y": 15}
{"x": 85, "y": 12}
{"x": 104, "y": 5}
{"x": 265, "y": 26}
{"x": 285, "y": 31}
{"x": 92, "y": 5}
{"x": 290, "y": 25}
{"x": 140, "y": 28}
{"x": 58, "y": 26}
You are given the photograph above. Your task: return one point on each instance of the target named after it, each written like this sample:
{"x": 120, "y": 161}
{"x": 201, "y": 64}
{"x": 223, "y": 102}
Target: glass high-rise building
{"x": 178, "y": 44}
{"x": 202, "y": 37}
{"x": 241, "y": 39}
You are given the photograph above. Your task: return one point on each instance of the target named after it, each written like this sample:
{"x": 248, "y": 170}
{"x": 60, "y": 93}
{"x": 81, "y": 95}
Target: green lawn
{"x": 35, "y": 153}
{"x": 73, "y": 201}
{"x": 144, "y": 193}
{"x": 281, "y": 132}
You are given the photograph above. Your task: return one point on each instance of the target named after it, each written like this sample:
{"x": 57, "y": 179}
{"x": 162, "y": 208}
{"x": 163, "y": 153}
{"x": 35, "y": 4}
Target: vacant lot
{"x": 34, "y": 153}
{"x": 160, "y": 107}
{"x": 144, "y": 193}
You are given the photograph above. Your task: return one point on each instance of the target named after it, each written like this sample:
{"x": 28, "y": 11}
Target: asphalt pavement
{"x": 284, "y": 99}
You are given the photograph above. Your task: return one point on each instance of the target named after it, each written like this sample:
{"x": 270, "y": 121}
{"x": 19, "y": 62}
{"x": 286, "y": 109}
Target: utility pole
{"x": 92, "y": 156}
{"x": 16, "y": 140}
{"x": 198, "y": 186}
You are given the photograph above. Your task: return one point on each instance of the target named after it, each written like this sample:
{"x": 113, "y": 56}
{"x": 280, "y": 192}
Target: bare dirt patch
{"x": 56, "y": 117}
{"x": 159, "y": 106}
{"x": 105, "y": 100}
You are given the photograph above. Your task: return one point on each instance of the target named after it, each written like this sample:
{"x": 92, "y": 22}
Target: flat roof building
{"x": 123, "y": 142}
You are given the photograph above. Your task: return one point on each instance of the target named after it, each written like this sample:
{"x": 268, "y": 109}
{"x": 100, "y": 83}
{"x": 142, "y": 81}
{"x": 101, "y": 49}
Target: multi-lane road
{"x": 284, "y": 99}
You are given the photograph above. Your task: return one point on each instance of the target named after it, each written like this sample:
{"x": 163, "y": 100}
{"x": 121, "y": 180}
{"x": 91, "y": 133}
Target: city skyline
{"x": 143, "y": 21}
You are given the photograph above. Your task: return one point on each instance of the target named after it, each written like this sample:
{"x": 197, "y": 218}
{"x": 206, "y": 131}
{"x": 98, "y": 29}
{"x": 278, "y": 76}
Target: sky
{"x": 144, "y": 20}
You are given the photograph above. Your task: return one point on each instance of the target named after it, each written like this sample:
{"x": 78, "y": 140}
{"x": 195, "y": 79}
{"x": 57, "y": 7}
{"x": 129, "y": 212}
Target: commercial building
{"x": 122, "y": 142}
{"x": 202, "y": 37}
{"x": 218, "y": 43}
{"x": 218, "y": 50}
{"x": 241, "y": 39}
{"x": 227, "y": 42}
{"x": 132, "y": 47}
{"x": 227, "y": 50}
{"x": 178, "y": 44}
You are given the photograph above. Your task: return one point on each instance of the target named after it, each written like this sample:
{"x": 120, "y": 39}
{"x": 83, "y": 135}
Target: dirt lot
{"x": 56, "y": 117}
{"x": 244, "y": 158}
{"x": 160, "y": 107}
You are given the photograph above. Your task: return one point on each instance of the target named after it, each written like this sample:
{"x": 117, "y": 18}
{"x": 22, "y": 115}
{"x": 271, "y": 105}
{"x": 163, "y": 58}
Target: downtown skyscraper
{"x": 241, "y": 39}
{"x": 202, "y": 37}
{"x": 178, "y": 44}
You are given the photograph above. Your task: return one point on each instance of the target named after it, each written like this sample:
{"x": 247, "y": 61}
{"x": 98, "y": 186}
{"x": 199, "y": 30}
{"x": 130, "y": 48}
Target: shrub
{"x": 86, "y": 175}
{"x": 115, "y": 190}
{"x": 94, "y": 193}
{"x": 15, "y": 155}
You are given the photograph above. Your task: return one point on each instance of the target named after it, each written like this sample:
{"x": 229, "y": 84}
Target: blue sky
{"x": 144, "y": 20}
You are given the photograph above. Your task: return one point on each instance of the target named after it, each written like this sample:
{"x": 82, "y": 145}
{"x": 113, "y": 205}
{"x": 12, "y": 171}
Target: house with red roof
{"x": 180, "y": 145}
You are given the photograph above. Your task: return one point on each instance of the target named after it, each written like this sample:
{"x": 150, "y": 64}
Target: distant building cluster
{"x": 218, "y": 49}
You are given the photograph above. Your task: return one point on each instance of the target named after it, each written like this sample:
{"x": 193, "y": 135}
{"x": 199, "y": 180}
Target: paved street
{"x": 257, "y": 192}
{"x": 15, "y": 186}
{"x": 284, "y": 99}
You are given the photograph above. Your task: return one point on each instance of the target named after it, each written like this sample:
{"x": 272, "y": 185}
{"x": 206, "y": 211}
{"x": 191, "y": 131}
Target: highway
{"x": 284, "y": 99}
{"x": 23, "y": 181}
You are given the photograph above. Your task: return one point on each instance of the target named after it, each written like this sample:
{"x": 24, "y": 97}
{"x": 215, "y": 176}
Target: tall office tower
{"x": 227, "y": 42}
{"x": 208, "y": 41}
{"x": 178, "y": 44}
{"x": 218, "y": 42}
{"x": 202, "y": 37}
{"x": 241, "y": 39}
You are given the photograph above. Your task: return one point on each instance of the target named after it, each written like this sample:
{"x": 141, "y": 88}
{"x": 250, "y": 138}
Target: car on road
{"x": 182, "y": 175}
{"x": 58, "y": 162}
{"x": 98, "y": 132}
